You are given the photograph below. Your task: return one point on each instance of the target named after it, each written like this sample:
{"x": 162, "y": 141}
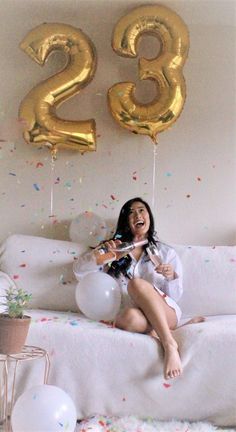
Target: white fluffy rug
{"x": 134, "y": 424}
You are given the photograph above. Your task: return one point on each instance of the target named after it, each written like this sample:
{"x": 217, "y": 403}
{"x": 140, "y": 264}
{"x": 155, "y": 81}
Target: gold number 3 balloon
{"x": 165, "y": 70}
{"x": 38, "y": 109}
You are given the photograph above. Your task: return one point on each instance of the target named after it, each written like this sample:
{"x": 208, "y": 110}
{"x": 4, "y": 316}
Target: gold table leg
{"x": 7, "y": 395}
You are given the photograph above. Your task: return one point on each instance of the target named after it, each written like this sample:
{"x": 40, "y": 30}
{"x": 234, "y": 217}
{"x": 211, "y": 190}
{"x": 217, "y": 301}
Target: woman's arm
{"x": 171, "y": 269}
{"x": 94, "y": 260}
{"x": 85, "y": 264}
{"x": 174, "y": 287}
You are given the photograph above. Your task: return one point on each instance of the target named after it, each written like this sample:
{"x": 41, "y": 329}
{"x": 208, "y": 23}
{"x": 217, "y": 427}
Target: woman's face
{"x": 139, "y": 220}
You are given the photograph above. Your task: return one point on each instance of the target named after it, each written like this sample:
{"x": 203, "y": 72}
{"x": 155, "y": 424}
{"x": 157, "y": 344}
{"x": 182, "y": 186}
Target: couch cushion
{"x": 44, "y": 268}
{"x": 209, "y": 279}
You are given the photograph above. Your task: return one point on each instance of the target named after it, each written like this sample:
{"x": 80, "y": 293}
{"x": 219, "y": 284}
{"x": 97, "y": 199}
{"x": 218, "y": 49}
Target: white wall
{"x": 195, "y": 182}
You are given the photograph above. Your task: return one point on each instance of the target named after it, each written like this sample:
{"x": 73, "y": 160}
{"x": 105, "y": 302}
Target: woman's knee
{"x": 137, "y": 287}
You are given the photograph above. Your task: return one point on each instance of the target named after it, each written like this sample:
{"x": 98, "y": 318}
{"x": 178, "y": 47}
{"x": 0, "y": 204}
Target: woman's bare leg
{"x": 133, "y": 320}
{"x": 162, "y": 318}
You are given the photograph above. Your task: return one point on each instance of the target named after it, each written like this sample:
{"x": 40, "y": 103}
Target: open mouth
{"x": 139, "y": 224}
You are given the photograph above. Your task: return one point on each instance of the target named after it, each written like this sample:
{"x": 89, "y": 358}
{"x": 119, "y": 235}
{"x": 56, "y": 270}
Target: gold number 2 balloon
{"x": 38, "y": 109}
{"x": 166, "y": 70}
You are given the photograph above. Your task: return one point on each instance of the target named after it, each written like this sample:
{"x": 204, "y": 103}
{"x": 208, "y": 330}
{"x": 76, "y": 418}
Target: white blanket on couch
{"x": 97, "y": 366}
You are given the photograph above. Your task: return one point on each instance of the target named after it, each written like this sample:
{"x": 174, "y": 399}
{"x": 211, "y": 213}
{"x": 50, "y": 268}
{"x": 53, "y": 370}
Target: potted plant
{"x": 14, "y": 324}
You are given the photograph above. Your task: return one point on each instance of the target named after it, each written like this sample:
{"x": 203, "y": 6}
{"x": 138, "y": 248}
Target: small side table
{"x": 7, "y": 395}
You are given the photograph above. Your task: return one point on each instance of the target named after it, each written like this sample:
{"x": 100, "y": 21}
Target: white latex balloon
{"x": 44, "y": 408}
{"x": 88, "y": 229}
{"x": 98, "y": 296}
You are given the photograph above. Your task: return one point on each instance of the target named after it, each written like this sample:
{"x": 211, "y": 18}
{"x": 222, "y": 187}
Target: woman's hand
{"x": 105, "y": 257}
{"x": 111, "y": 246}
{"x": 166, "y": 270}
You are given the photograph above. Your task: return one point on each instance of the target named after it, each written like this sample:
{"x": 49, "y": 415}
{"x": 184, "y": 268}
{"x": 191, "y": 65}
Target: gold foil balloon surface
{"x": 38, "y": 109}
{"x": 166, "y": 70}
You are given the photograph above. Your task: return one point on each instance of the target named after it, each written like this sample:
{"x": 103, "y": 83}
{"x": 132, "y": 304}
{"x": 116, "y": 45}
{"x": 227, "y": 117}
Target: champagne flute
{"x": 154, "y": 254}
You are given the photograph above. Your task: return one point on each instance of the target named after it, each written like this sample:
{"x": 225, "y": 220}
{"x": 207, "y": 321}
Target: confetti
{"x": 22, "y": 265}
{"x": 74, "y": 323}
{"x": 134, "y": 175}
{"x": 166, "y": 385}
{"x": 188, "y": 196}
{"x": 36, "y": 187}
{"x": 68, "y": 185}
{"x": 39, "y": 165}
{"x": 113, "y": 197}
{"x": 199, "y": 179}
{"x": 12, "y": 174}
{"x": 16, "y": 276}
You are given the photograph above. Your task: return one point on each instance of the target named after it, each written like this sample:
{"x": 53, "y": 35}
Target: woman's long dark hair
{"x": 123, "y": 233}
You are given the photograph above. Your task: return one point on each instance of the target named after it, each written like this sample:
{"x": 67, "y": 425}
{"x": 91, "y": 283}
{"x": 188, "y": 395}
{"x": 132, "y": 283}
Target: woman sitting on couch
{"x": 149, "y": 292}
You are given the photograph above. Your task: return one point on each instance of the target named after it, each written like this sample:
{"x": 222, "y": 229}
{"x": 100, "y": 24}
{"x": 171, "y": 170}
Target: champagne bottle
{"x": 129, "y": 246}
{"x": 106, "y": 255}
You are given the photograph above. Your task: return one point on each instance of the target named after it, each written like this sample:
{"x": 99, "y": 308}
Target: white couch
{"x": 112, "y": 372}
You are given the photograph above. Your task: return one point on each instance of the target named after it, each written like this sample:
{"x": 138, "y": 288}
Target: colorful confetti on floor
{"x": 134, "y": 424}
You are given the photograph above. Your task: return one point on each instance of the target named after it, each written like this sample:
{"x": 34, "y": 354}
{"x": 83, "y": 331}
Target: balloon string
{"x": 52, "y": 187}
{"x": 154, "y": 177}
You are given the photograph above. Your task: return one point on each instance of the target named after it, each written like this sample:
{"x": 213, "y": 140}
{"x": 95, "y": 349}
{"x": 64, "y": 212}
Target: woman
{"x": 149, "y": 293}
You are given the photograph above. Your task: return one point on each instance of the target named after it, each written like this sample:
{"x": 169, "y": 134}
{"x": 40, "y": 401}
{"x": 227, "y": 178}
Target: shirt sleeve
{"x": 85, "y": 264}
{"x": 174, "y": 288}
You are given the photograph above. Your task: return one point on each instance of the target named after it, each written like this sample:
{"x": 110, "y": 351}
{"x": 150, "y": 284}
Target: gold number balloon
{"x": 38, "y": 109}
{"x": 165, "y": 70}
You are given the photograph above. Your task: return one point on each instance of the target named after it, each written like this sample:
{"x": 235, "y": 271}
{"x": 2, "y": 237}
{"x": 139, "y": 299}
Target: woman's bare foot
{"x": 194, "y": 320}
{"x": 172, "y": 362}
